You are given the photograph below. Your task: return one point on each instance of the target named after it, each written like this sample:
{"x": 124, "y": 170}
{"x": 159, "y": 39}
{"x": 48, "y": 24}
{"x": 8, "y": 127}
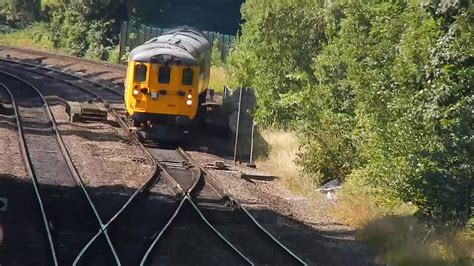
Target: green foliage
{"x": 216, "y": 56}
{"x": 35, "y": 36}
{"x": 278, "y": 41}
{"x": 381, "y": 93}
{"x": 79, "y": 27}
{"x": 19, "y": 13}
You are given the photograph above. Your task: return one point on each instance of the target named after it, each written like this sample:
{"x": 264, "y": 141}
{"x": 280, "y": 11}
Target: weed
{"x": 218, "y": 78}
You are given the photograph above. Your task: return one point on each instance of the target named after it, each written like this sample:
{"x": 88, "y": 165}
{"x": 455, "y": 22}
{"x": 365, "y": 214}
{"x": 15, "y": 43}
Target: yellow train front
{"x": 167, "y": 78}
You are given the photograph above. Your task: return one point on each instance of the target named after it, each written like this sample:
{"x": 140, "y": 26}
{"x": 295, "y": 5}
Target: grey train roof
{"x": 182, "y": 44}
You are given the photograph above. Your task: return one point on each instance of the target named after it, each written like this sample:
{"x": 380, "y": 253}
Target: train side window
{"x": 140, "y": 73}
{"x": 164, "y": 74}
{"x": 187, "y": 76}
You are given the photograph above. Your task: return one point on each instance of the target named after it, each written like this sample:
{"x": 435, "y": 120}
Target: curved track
{"x": 200, "y": 205}
{"x": 68, "y": 214}
{"x": 114, "y": 67}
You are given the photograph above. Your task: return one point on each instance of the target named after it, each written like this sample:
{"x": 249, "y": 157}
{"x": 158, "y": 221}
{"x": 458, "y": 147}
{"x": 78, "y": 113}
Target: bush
{"x": 19, "y": 13}
{"x": 83, "y": 28}
{"x": 380, "y": 91}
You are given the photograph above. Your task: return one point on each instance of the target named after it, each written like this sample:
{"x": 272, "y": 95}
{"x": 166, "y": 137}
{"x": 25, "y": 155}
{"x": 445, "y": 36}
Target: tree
{"x": 381, "y": 93}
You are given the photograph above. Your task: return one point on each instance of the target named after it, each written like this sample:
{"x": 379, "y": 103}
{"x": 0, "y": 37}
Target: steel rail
{"x": 69, "y": 162}
{"x": 114, "y": 67}
{"x": 189, "y": 192}
{"x": 145, "y": 188}
{"x": 29, "y": 167}
{"x": 213, "y": 183}
{"x": 16, "y": 62}
{"x": 187, "y": 196}
{"x": 193, "y": 186}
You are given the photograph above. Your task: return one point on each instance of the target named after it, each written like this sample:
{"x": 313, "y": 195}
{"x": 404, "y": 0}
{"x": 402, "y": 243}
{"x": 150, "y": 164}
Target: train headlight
{"x": 190, "y": 96}
{"x": 189, "y": 102}
{"x": 135, "y": 92}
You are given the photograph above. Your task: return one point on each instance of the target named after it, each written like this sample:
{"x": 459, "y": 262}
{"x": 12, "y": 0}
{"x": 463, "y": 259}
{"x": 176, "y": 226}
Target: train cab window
{"x": 187, "y": 76}
{"x": 164, "y": 74}
{"x": 140, "y": 73}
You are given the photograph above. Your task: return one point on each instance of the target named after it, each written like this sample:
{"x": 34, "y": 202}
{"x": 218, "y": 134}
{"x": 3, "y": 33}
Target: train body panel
{"x": 167, "y": 77}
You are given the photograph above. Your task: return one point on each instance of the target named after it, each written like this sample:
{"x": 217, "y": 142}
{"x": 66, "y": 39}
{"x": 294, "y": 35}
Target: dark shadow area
{"x": 8, "y": 122}
{"x": 24, "y": 231}
{"x": 213, "y": 15}
{"x": 86, "y": 134}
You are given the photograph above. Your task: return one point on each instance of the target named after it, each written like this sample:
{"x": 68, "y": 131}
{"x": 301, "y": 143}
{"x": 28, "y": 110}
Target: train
{"x": 167, "y": 78}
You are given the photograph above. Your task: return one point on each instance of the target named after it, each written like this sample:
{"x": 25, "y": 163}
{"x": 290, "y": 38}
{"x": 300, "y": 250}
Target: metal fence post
{"x": 237, "y": 126}
{"x": 251, "y": 143}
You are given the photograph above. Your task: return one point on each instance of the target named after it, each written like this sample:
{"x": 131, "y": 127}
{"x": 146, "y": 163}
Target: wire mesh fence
{"x": 133, "y": 35}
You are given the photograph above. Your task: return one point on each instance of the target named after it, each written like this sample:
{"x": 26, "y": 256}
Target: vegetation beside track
{"x": 33, "y": 37}
{"x": 91, "y": 28}
{"x": 379, "y": 95}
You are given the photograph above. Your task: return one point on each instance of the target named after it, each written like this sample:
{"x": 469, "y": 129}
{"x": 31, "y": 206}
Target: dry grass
{"x": 218, "y": 78}
{"x": 283, "y": 148}
{"x": 357, "y": 206}
{"x": 396, "y": 234}
{"x": 399, "y": 238}
{"x": 406, "y": 241}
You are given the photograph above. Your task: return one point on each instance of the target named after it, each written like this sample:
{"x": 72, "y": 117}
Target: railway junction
{"x": 90, "y": 193}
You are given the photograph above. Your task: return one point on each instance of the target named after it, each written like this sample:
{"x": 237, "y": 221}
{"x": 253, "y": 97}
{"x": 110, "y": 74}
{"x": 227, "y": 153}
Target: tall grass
{"x": 36, "y": 36}
{"x": 283, "y": 149}
{"x": 393, "y": 231}
{"x": 407, "y": 241}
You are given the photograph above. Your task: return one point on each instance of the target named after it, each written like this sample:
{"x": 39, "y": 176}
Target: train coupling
{"x": 87, "y": 111}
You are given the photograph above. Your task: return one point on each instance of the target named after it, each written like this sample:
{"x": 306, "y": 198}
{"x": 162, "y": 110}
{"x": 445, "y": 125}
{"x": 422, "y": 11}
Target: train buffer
{"x": 86, "y": 111}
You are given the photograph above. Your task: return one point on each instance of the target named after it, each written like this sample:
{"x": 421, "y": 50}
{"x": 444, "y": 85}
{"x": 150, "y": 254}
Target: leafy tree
{"x": 83, "y": 28}
{"x": 381, "y": 93}
{"x": 19, "y": 13}
{"x": 274, "y": 54}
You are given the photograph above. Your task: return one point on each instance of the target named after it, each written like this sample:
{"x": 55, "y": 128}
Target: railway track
{"x": 127, "y": 233}
{"x": 114, "y": 67}
{"x": 68, "y": 215}
{"x": 225, "y": 214}
{"x": 201, "y": 206}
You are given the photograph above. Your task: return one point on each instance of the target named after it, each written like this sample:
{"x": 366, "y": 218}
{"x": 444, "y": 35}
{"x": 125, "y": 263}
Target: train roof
{"x": 183, "y": 44}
